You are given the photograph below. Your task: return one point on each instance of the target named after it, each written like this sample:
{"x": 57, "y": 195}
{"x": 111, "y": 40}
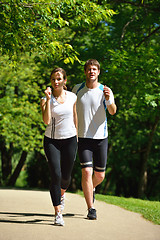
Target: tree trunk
{"x": 17, "y": 170}
{"x": 6, "y": 157}
{"x": 143, "y": 174}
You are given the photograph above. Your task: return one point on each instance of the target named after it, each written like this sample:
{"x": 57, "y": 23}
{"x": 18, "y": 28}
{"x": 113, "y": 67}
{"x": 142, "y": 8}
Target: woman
{"x": 60, "y": 140}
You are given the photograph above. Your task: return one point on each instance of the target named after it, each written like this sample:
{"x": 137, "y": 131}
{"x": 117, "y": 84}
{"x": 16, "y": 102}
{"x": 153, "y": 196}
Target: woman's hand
{"x": 48, "y": 93}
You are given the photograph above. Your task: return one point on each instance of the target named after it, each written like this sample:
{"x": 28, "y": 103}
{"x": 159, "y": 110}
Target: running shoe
{"x": 59, "y": 219}
{"x": 92, "y": 214}
{"x": 62, "y": 202}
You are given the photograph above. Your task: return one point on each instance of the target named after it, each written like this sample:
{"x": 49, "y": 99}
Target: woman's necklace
{"x": 61, "y": 98}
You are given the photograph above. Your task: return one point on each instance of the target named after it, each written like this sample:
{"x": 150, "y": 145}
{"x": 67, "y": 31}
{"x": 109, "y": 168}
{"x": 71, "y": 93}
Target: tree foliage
{"x": 124, "y": 37}
{"x": 33, "y": 26}
{"x": 31, "y": 35}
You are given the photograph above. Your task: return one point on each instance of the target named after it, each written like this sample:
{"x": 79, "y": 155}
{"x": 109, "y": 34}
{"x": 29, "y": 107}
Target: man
{"x": 93, "y": 99}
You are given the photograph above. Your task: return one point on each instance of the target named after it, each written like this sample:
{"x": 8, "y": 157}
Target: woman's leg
{"x": 68, "y": 155}
{"x": 52, "y": 153}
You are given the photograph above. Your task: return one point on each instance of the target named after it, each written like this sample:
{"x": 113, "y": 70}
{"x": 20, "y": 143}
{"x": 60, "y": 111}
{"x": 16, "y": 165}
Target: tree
{"x": 127, "y": 48}
{"x": 34, "y": 28}
{"x": 66, "y": 34}
{"x": 19, "y": 120}
{"x": 137, "y": 40}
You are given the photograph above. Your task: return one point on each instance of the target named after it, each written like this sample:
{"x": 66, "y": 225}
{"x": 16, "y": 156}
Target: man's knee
{"x": 87, "y": 173}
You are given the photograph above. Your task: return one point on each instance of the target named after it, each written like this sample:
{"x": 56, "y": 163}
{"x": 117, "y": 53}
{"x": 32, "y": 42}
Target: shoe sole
{"x": 58, "y": 224}
{"x": 91, "y": 218}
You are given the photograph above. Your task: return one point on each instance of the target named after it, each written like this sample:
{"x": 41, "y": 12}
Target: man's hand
{"x": 106, "y": 91}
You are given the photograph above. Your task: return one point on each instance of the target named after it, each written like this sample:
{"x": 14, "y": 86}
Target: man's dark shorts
{"x": 93, "y": 153}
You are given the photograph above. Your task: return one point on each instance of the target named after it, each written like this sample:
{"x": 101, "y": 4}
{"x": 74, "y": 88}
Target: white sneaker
{"x": 59, "y": 219}
{"x": 62, "y": 202}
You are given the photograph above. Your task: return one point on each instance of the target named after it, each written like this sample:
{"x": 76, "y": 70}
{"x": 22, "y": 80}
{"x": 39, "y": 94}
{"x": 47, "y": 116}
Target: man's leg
{"x": 100, "y": 161}
{"x": 98, "y": 177}
{"x": 87, "y": 186}
{"x": 85, "y": 155}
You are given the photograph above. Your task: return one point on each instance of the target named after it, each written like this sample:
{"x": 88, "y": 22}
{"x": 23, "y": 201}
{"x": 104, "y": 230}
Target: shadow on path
{"x": 34, "y": 218}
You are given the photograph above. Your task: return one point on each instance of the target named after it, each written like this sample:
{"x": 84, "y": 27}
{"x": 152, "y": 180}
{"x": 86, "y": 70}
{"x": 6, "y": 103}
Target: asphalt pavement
{"x": 29, "y": 215}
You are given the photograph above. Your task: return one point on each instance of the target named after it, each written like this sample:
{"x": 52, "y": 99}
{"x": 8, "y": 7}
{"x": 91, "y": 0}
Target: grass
{"x": 150, "y": 210}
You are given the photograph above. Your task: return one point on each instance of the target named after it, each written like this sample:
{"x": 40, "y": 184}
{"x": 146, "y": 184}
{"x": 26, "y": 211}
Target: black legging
{"x": 61, "y": 154}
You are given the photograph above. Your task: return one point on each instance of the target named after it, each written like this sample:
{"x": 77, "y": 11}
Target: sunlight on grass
{"x": 150, "y": 210}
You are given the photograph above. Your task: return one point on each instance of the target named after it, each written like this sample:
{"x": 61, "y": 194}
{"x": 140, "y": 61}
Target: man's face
{"x": 92, "y": 72}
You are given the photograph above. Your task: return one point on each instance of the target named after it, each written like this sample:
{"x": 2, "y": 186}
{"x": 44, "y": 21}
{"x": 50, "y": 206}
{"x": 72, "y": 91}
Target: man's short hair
{"x": 91, "y": 62}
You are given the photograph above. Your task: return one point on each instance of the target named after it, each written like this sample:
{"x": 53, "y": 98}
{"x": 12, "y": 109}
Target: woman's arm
{"x": 45, "y": 106}
{"x": 75, "y": 119}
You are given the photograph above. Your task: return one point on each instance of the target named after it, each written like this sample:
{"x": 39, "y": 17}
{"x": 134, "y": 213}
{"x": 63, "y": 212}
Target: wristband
{"x": 109, "y": 102}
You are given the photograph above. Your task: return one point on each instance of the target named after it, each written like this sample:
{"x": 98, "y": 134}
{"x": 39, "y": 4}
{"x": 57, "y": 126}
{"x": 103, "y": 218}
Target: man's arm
{"x": 111, "y": 106}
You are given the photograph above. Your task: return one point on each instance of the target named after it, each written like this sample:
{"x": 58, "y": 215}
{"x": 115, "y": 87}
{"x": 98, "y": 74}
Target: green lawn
{"x": 148, "y": 209}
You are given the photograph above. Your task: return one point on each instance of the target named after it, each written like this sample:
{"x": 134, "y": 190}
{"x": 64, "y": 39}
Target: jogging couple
{"x": 71, "y": 116}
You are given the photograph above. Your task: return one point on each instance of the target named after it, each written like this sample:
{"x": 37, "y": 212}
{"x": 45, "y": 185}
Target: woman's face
{"x": 57, "y": 80}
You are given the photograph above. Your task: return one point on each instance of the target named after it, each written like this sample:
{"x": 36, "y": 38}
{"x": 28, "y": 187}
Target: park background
{"x": 124, "y": 37}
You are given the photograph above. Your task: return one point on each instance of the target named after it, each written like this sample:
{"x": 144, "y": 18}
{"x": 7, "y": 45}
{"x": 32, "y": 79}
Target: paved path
{"x": 28, "y": 215}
